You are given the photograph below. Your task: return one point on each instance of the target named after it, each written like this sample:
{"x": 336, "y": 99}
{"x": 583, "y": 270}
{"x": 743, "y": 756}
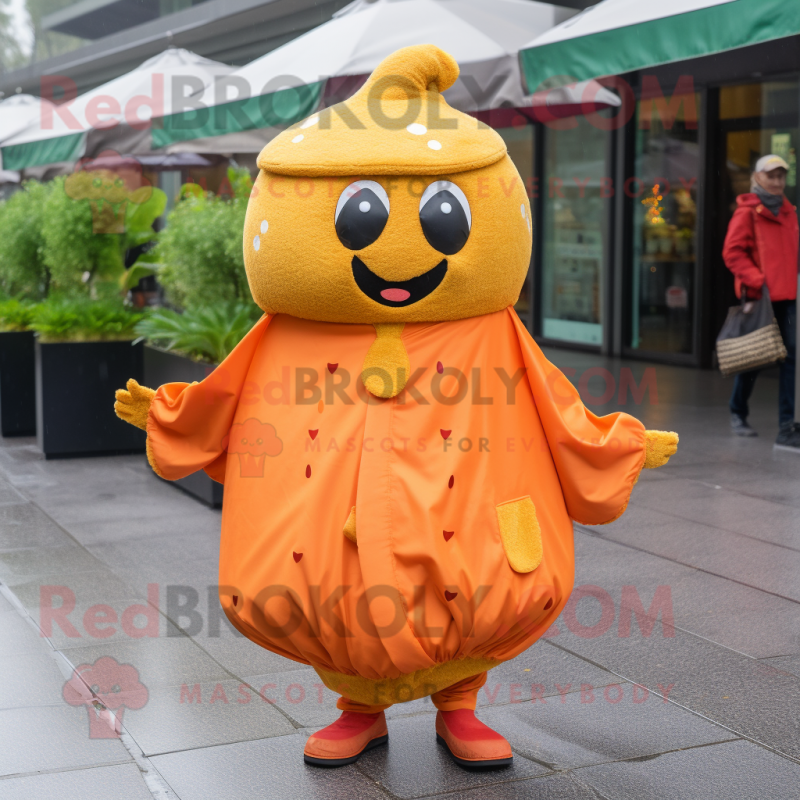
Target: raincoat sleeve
{"x": 188, "y": 423}
{"x": 738, "y": 253}
{"x": 598, "y": 459}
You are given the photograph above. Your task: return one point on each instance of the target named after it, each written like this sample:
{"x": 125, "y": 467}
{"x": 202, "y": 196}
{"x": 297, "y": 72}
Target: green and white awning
{"x": 115, "y": 116}
{"x": 618, "y": 36}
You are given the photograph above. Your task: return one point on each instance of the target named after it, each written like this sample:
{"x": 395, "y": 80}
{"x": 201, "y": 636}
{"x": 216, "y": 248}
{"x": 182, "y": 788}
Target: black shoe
{"x": 739, "y": 426}
{"x": 789, "y": 437}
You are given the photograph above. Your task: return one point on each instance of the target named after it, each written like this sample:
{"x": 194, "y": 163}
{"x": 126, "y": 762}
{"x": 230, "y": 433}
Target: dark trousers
{"x": 786, "y": 314}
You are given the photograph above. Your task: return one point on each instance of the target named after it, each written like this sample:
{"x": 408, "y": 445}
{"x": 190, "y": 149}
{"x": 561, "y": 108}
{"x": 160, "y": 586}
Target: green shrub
{"x": 85, "y": 237}
{"x": 16, "y": 314}
{"x": 200, "y": 249}
{"x": 80, "y": 319}
{"x": 22, "y": 268}
{"x": 205, "y": 334}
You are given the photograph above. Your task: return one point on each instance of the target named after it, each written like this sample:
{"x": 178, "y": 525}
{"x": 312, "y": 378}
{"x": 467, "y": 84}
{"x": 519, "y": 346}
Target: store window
{"x": 575, "y": 192}
{"x": 663, "y": 190}
{"x": 520, "y": 141}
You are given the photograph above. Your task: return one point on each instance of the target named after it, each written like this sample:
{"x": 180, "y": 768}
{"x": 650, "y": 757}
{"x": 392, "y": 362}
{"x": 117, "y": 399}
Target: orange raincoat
{"x": 409, "y": 542}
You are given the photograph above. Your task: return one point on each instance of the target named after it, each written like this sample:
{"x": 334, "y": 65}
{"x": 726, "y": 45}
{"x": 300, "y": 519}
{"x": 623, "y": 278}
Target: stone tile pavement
{"x": 676, "y": 676}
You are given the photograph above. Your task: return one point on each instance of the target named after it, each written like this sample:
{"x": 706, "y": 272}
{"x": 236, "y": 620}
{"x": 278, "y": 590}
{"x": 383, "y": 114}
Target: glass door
{"x": 663, "y": 191}
{"x": 756, "y": 119}
{"x": 575, "y": 192}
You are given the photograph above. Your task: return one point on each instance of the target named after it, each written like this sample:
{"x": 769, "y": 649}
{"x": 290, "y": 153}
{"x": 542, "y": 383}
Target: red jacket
{"x": 761, "y": 246}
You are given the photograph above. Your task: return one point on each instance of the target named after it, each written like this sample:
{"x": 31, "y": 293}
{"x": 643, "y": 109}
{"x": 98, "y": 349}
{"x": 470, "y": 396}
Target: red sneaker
{"x": 346, "y": 739}
{"x": 470, "y": 743}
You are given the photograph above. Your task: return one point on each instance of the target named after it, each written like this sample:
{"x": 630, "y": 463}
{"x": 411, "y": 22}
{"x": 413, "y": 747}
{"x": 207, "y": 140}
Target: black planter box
{"x": 75, "y": 385}
{"x": 161, "y": 366}
{"x": 17, "y": 383}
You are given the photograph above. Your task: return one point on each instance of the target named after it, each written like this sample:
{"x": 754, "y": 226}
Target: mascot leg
{"x": 471, "y": 744}
{"x": 345, "y": 740}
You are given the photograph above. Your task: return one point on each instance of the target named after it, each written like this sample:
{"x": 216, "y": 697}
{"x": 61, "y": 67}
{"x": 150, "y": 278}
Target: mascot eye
{"x": 445, "y": 216}
{"x": 361, "y": 214}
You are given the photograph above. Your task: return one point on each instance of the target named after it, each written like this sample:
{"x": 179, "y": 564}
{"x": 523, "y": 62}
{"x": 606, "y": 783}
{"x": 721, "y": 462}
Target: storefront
{"x": 631, "y": 206}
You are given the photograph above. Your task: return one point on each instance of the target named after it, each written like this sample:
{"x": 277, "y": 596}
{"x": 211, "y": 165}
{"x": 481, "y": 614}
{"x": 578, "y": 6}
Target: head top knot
{"x": 398, "y": 123}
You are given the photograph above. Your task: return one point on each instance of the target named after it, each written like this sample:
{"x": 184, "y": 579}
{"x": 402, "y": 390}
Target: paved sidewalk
{"x": 677, "y": 677}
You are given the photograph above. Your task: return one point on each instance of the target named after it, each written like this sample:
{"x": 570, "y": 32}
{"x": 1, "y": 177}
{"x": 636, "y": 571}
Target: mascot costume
{"x": 402, "y": 465}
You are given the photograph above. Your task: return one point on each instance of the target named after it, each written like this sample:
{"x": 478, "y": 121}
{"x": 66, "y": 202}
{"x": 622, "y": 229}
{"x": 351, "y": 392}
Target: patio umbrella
{"x": 114, "y": 116}
{"x": 330, "y": 62}
{"x": 618, "y": 36}
{"x": 17, "y": 113}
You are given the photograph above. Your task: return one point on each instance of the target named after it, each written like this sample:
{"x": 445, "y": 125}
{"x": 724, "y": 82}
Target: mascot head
{"x": 390, "y": 207}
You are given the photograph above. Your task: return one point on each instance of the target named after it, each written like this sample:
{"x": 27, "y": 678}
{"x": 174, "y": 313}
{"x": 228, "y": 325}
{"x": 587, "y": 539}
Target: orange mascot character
{"x": 402, "y": 466}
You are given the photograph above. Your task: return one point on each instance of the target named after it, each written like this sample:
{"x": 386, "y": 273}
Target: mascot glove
{"x": 133, "y": 405}
{"x": 660, "y": 445}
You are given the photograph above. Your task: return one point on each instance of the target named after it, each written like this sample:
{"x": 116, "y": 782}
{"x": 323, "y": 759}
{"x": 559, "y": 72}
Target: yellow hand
{"x": 133, "y": 405}
{"x": 660, "y": 446}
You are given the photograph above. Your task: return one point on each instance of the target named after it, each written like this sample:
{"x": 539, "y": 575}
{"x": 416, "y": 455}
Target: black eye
{"x": 445, "y": 216}
{"x": 361, "y": 214}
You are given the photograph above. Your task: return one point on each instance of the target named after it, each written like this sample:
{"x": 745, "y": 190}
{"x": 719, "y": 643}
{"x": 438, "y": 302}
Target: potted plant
{"x": 24, "y": 279}
{"x": 84, "y": 346}
{"x": 17, "y": 374}
{"x": 84, "y": 351}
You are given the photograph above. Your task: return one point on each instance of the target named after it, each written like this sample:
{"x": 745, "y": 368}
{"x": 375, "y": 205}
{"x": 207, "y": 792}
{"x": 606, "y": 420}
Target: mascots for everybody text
{"x": 402, "y": 465}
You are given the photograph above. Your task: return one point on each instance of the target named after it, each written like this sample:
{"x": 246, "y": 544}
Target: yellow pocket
{"x": 519, "y": 530}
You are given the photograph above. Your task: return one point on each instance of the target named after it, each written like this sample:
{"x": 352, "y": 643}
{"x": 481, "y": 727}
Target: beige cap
{"x": 770, "y": 162}
{"x": 398, "y": 123}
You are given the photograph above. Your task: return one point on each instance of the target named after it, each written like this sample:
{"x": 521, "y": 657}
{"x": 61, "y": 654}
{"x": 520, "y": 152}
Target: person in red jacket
{"x": 761, "y": 247}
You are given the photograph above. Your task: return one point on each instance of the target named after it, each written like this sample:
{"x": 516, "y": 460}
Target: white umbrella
{"x": 17, "y": 113}
{"x": 116, "y": 115}
{"x": 330, "y": 62}
{"x": 618, "y": 36}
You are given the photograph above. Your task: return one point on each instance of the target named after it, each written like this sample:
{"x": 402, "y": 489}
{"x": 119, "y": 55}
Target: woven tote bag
{"x": 750, "y": 341}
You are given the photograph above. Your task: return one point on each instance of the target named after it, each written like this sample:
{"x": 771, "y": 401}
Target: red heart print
{"x": 450, "y": 595}
{"x": 448, "y": 535}
{"x": 445, "y": 434}
{"x": 313, "y": 434}
{"x": 332, "y": 368}
{"x": 235, "y": 599}
{"x": 439, "y": 367}
{"x": 297, "y": 556}
{"x": 308, "y": 471}
{"x": 451, "y": 481}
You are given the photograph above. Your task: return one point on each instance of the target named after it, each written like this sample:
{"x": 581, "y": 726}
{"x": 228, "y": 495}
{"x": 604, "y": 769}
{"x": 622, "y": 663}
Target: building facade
{"x": 631, "y": 208}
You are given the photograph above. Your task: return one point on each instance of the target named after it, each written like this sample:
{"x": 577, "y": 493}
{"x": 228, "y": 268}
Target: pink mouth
{"x": 395, "y": 295}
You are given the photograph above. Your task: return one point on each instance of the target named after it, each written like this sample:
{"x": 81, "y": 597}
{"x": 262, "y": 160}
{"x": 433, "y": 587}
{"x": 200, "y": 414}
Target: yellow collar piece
{"x": 398, "y": 123}
{"x": 386, "y": 367}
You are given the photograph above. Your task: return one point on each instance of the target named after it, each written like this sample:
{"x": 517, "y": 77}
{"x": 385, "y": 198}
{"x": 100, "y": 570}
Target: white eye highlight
{"x": 447, "y": 186}
{"x": 356, "y": 187}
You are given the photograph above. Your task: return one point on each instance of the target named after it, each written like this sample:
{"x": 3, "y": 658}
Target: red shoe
{"x": 346, "y": 739}
{"x": 470, "y": 743}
